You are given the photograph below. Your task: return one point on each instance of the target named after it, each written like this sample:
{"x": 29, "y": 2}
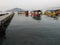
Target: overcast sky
{"x": 28, "y": 4}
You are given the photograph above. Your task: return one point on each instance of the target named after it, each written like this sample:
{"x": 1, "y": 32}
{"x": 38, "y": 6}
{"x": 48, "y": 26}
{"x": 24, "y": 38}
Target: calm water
{"x": 24, "y": 30}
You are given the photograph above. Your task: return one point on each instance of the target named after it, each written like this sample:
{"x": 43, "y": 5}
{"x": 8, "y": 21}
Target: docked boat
{"x": 36, "y": 13}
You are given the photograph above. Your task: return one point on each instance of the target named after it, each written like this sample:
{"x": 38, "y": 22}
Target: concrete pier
{"x": 4, "y": 18}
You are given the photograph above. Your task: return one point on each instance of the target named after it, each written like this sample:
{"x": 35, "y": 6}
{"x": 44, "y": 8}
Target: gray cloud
{"x": 28, "y": 4}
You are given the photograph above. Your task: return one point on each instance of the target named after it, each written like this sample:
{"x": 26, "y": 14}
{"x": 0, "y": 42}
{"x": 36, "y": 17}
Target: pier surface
{"x": 4, "y": 18}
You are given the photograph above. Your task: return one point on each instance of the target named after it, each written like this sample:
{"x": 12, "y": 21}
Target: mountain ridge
{"x": 15, "y": 10}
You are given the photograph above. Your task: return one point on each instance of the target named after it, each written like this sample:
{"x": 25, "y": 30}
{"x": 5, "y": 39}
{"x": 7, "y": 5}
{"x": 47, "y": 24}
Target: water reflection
{"x": 56, "y": 18}
{"x": 3, "y": 28}
{"x": 26, "y": 15}
{"x": 37, "y": 18}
